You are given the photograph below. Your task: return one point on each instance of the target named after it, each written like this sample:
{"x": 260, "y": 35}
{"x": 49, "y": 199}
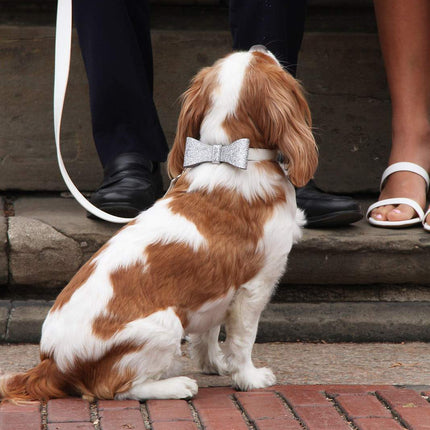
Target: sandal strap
{"x": 398, "y": 201}
{"x": 405, "y": 166}
{"x": 426, "y": 226}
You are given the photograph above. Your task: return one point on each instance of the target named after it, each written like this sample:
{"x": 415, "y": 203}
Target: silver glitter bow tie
{"x": 235, "y": 154}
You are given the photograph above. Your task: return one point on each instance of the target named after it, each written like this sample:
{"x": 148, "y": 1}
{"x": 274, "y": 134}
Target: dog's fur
{"x": 208, "y": 253}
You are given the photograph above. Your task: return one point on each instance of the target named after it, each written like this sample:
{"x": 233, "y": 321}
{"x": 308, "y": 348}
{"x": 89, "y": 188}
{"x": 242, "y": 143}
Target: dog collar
{"x": 237, "y": 154}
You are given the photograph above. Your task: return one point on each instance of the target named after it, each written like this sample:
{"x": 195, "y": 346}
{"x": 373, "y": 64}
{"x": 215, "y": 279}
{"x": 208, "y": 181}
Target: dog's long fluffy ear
{"x": 289, "y": 125}
{"x": 195, "y": 102}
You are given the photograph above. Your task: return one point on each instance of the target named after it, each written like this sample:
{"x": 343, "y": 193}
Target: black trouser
{"x": 116, "y": 46}
{"x": 276, "y": 24}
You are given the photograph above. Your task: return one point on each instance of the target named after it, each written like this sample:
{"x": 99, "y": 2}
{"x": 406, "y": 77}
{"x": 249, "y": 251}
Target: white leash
{"x": 63, "y": 43}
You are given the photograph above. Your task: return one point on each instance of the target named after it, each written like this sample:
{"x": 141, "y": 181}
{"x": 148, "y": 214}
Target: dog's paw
{"x": 252, "y": 378}
{"x": 183, "y": 387}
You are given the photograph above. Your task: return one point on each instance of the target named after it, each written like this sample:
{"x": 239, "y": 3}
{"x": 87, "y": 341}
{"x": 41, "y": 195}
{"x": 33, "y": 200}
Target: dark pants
{"x": 116, "y": 46}
{"x": 276, "y": 24}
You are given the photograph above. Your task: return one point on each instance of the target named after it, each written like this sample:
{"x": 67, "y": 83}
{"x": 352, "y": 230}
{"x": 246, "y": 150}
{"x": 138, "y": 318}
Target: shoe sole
{"x": 120, "y": 211}
{"x": 334, "y": 219}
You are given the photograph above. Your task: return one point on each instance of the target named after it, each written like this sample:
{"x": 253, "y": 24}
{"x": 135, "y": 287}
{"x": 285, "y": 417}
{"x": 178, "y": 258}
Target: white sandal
{"x": 425, "y": 225}
{"x": 401, "y": 167}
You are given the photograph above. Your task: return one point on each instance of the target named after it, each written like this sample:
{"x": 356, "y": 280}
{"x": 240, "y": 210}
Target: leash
{"x": 63, "y": 44}
{"x": 210, "y": 153}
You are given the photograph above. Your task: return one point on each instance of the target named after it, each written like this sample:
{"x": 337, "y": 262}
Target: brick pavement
{"x": 289, "y": 407}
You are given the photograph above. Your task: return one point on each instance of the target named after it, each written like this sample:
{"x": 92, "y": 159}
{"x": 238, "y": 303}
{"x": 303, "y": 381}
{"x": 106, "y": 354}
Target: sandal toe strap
{"x": 398, "y": 201}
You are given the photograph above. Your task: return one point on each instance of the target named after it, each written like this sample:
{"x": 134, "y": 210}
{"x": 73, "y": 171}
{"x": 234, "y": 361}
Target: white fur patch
{"x": 210, "y": 314}
{"x": 252, "y": 183}
{"x": 225, "y": 98}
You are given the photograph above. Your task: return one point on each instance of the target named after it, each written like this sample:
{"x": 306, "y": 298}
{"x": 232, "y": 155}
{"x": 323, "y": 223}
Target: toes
{"x": 401, "y": 213}
{"x": 381, "y": 213}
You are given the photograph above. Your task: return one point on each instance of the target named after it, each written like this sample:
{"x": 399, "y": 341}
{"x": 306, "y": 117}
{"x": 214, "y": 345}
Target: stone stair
{"x": 351, "y": 284}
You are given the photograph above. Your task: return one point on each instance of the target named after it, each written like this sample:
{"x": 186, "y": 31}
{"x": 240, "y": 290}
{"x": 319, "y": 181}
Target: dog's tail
{"x": 43, "y": 382}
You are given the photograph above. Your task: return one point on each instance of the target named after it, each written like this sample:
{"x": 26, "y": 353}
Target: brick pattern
{"x": 314, "y": 407}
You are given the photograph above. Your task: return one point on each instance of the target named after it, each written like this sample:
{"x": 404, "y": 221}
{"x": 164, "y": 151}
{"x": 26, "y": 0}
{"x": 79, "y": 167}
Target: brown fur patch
{"x": 76, "y": 282}
{"x": 177, "y": 276}
{"x": 273, "y": 113}
{"x": 100, "y": 378}
{"x": 40, "y": 383}
{"x": 196, "y": 101}
{"x": 92, "y": 379}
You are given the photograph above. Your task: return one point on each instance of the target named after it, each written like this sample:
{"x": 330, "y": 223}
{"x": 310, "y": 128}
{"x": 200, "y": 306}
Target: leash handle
{"x": 63, "y": 44}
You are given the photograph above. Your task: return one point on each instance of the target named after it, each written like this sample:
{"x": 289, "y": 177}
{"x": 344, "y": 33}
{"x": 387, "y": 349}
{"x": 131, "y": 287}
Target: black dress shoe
{"x": 326, "y": 210}
{"x": 131, "y": 184}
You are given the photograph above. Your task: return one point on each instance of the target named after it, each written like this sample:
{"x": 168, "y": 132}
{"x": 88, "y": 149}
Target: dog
{"x": 209, "y": 253}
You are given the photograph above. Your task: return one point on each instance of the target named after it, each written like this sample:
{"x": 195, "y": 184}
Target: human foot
{"x": 403, "y": 196}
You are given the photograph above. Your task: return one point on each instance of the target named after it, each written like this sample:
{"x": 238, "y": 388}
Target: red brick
{"x": 267, "y": 411}
{"x": 321, "y": 418}
{"x": 277, "y": 424}
{"x": 169, "y": 410}
{"x": 68, "y": 410}
{"x": 118, "y": 404}
{"x": 362, "y": 405}
{"x": 209, "y": 393}
{"x": 175, "y": 425}
{"x": 377, "y": 424}
{"x": 71, "y": 426}
{"x": 20, "y": 421}
{"x": 304, "y": 396}
{"x": 216, "y": 408}
{"x": 115, "y": 419}
{"x": 262, "y": 405}
{"x": 403, "y": 397}
{"x": 333, "y": 390}
{"x": 415, "y": 418}
{"x": 25, "y": 416}
{"x": 22, "y": 408}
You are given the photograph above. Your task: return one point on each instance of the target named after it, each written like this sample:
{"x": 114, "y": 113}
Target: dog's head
{"x": 248, "y": 95}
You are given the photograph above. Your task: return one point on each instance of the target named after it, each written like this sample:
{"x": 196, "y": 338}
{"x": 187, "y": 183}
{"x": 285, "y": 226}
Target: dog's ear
{"x": 289, "y": 125}
{"x": 195, "y": 102}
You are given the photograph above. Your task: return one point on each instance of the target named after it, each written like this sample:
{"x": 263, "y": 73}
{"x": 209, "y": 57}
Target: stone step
{"x": 352, "y": 284}
{"x": 49, "y": 238}
{"x": 342, "y": 72}
{"x": 21, "y": 321}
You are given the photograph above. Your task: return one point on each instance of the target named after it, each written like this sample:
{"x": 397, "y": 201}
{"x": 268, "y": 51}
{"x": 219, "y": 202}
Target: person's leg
{"x": 404, "y": 33}
{"x": 276, "y": 24}
{"x": 279, "y": 25}
{"x": 116, "y": 46}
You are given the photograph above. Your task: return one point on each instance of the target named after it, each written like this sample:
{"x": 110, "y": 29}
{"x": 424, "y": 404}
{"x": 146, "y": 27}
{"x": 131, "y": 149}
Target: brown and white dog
{"x": 210, "y": 252}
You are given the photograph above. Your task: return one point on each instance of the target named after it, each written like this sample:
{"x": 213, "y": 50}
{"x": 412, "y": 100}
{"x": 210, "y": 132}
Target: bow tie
{"x": 236, "y": 154}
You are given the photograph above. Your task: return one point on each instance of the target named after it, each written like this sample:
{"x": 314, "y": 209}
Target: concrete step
{"x": 49, "y": 238}
{"x": 21, "y": 321}
{"x": 352, "y": 284}
{"x": 341, "y": 70}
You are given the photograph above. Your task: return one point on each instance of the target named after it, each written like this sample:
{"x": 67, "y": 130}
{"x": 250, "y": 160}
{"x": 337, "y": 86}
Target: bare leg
{"x": 404, "y": 32}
